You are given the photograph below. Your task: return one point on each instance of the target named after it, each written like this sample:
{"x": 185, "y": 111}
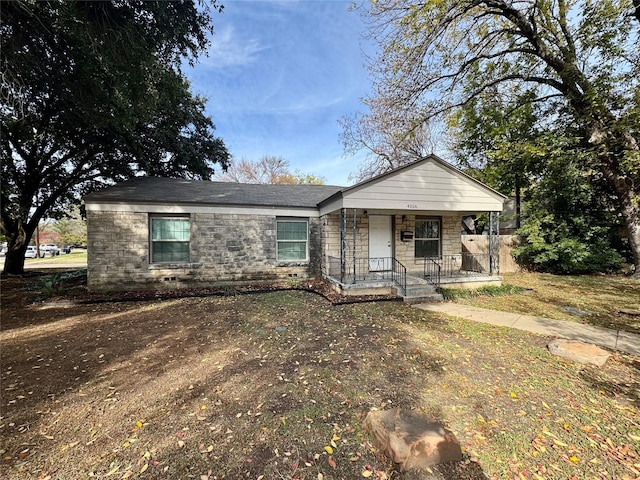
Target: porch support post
{"x": 494, "y": 243}
{"x": 343, "y": 244}
{"x": 355, "y": 231}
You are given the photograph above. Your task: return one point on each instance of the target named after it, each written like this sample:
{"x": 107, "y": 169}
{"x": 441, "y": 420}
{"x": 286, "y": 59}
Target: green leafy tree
{"x": 579, "y": 56}
{"x": 498, "y": 144}
{"x": 71, "y": 228}
{"x": 571, "y": 223}
{"x": 93, "y": 93}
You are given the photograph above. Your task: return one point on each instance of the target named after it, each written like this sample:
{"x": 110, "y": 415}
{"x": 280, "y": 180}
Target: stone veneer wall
{"x": 450, "y": 233}
{"x": 225, "y": 248}
{"x": 404, "y": 251}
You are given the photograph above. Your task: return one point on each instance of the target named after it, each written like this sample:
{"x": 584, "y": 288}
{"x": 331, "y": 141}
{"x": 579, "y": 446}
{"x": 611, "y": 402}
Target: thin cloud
{"x": 228, "y": 49}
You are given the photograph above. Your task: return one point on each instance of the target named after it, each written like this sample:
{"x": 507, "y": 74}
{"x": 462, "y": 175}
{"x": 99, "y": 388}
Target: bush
{"x": 553, "y": 249}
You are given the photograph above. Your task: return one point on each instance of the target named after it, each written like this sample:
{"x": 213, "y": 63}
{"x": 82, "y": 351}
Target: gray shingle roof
{"x": 180, "y": 191}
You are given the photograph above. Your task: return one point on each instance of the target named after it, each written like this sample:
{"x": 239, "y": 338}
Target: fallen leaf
{"x": 331, "y": 462}
{"x": 112, "y": 471}
{"x": 328, "y": 449}
{"x": 144, "y": 468}
{"x": 367, "y": 473}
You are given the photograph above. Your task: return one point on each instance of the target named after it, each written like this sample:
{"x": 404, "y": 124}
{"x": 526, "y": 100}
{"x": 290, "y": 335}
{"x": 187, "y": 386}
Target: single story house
{"x": 389, "y": 232}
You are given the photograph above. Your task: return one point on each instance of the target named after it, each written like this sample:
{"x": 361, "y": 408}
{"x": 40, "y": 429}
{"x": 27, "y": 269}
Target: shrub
{"x": 553, "y": 249}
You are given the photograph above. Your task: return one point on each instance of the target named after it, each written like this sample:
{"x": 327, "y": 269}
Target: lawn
{"x": 275, "y": 385}
{"x": 75, "y": 257}
{"x": 599, "y": 300}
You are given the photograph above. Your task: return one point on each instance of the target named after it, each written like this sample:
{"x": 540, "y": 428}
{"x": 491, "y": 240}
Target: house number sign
{"x": 412, "y": 205}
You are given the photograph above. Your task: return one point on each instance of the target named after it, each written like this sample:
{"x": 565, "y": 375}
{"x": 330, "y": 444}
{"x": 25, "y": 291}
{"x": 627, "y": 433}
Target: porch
{"x": 401, "y": 232}
{"x": 386, "y": 275}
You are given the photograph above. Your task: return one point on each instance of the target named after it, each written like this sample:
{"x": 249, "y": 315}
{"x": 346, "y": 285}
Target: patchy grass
{"x": 591, "y": 299}
{"x": 487, "y": 290}
{"x": 257, "y": 386}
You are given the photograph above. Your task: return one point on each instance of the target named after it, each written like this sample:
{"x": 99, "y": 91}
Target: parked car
{"x": 31, "y": 252}
{"x": 49, "y": 248}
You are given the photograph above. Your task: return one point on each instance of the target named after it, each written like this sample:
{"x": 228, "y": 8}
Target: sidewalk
{"x": 604, "y": 337}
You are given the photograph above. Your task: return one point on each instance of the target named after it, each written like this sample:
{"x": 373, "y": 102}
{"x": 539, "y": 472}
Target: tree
{"x": 268, "y": 170}
{"x": 92, "y": 94}
{"x": 579, "y": 56}
{"x": 72, "y": 228}
{"x": 388, "y": 135}
{"x": 500, "y": 145}
{"x": 572, "y": 224}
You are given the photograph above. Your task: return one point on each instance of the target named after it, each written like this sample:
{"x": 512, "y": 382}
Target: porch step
{"x": 419, "y": 293}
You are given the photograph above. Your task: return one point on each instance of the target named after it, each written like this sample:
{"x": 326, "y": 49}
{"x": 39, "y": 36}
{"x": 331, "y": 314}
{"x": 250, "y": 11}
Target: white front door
{"x": 380, "y": 243}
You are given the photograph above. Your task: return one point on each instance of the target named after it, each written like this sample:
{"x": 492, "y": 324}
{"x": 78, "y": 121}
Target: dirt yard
{"x": 276, "y": 384}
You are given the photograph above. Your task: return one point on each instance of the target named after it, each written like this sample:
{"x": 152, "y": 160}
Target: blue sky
{"x": 279, "y": 76}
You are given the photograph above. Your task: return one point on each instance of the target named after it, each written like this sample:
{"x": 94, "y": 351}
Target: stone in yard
{"x": 579, "y": 352}
{"x": 410, "y": 439}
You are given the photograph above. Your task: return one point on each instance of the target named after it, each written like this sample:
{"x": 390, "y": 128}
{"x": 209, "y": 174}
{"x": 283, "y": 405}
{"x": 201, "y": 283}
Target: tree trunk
{"x": 631, "y": 214}
{"x": 17, "y": 241}
{"x": 14, "y": 259}
{"x": 626, "y": 188}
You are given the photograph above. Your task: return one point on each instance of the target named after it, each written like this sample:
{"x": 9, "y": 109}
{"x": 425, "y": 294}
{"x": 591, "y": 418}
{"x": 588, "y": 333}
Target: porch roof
{"x": 428, "y": 185}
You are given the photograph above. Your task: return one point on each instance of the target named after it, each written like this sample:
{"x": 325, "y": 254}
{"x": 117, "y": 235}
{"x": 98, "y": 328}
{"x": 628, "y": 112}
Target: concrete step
{"x": 418, "y": 293}
{"x": 426, "y": 298}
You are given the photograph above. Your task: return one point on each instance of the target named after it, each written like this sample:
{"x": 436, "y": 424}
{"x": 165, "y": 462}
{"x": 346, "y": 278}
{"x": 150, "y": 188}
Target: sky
{"x": 279, "y": 75}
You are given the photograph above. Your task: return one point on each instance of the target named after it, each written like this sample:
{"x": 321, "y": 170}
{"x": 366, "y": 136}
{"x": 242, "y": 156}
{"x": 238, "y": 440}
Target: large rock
{"x": 410, "y": 439}
{"x": 579, "y": 352}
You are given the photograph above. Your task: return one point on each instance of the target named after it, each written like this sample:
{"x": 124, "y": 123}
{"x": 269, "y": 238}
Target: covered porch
{"x": 402, "y": 232}
{"x": 421, "y": 253}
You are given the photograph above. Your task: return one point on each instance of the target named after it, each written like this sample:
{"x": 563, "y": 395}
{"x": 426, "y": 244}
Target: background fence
{"x": 479, "y": 244}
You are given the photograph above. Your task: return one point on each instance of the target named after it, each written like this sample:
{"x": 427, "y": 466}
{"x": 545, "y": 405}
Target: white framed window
{"x": 170, "y": 238}
{"x": 427, "y": 237}
{"x": 292, "y": 239}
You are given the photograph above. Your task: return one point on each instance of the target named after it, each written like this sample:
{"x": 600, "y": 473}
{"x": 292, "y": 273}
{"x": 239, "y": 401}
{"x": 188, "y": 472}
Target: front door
{"x": 380, "y": 243}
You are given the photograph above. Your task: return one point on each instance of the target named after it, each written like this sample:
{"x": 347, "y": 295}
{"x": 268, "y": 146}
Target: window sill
{"x": 173, "y": 266}
{"x": 292, "y": 263}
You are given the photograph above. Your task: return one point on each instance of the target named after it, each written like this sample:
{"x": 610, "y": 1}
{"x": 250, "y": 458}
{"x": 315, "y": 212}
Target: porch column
{"x": 355, "y": 231}
{"x": 494, "y": 243}
{"x": 343, "y": 244}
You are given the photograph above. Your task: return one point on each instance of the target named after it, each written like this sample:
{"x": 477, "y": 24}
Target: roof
{"x": 429, "y": 184}
{"x": 429, "y": 158}
{"x": 180, "y": 191}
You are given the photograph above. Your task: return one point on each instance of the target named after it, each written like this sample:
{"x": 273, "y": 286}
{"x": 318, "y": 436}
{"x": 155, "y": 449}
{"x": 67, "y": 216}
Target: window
{"x": 291, "y": 238}
{"x": 170, "y": 239}
{"x": 427, "y": 237}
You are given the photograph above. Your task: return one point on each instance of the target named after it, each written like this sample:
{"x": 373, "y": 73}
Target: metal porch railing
{"x": 367, "y": 270}
{"x": 458, "y": 265}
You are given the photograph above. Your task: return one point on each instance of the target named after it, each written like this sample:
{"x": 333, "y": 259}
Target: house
{"x": 384, "y": 234}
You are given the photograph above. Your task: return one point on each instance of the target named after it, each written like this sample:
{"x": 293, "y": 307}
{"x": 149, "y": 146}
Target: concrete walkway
{"x": 604, "y": 337}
